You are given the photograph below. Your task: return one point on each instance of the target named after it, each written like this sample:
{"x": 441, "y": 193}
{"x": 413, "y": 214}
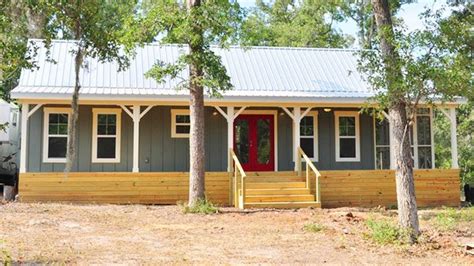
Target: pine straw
{"x": 134, "y": 234}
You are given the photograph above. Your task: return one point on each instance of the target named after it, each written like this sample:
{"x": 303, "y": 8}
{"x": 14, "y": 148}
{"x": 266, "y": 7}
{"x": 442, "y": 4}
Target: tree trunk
{"x": 74, "y": 117}
{"x": 407, "y": 208}
{"x": 196, "y": 134}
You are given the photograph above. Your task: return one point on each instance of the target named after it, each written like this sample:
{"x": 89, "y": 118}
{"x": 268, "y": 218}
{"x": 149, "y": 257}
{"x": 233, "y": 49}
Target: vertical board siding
{"x": 119, "y": 188}
{"x": 371, "y": 188}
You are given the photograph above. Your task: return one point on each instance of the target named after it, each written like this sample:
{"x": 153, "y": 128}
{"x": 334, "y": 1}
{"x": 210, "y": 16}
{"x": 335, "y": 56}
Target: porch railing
{"x": 308, "y": 165}
{"x": 238, "y": 180}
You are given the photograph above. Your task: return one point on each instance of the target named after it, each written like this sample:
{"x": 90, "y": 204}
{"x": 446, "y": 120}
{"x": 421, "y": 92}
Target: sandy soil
{"x": 92, "y": 234}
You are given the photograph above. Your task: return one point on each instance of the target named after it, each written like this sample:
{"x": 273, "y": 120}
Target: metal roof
{"x": 275, "y": 73}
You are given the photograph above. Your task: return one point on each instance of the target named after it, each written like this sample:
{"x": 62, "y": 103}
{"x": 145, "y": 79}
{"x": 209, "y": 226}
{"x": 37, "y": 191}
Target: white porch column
{"x": 230, "y": 133}
{"x": 136, "y": 136}
{"x": 24, "y": 136}
{"x": 454, "y": 138}
{"x": 296, "y": 133}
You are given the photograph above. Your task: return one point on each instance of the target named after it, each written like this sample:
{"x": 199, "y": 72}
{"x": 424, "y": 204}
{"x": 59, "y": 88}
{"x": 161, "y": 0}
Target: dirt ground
{"x": 113, "y": 234}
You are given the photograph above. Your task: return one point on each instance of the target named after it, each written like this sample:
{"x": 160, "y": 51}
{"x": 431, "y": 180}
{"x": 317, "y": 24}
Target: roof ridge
{"x": 263, "y": 47}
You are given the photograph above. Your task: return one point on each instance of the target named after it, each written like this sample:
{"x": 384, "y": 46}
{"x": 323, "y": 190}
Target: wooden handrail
{"x": 236, "y": 167}
{"x": 309, "y": 163}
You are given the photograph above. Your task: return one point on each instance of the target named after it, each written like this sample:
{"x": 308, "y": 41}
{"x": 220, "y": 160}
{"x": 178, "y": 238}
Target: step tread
{"x": 283, "y": 204}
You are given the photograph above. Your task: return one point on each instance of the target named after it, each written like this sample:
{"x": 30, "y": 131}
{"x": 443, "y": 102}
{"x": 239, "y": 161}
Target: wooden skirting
{"x": 120, "y": 188}
{"x": 371, "y": 188}
{"x": 361, "y": 188}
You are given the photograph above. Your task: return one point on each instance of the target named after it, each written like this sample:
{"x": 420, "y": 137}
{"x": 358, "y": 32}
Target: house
{"x": 290, "y": 134}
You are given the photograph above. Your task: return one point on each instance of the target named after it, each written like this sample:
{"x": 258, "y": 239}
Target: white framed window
{"x": 382, "y": 143}
{"x": 106, "y": 132}
{"x": 422, "y": 144}
{"x": 55, "y": 123}
{"x": 309, "y": 135}
{"x": 347, "y": 136}
{"x": 180, "y": 123}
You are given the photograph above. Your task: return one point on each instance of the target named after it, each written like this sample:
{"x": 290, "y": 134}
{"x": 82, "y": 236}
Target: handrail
{"x": 309, "y": 163}
{"x": 237, "y": 169}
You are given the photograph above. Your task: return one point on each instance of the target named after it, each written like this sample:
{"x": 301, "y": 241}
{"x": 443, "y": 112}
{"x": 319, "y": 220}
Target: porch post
{"x": 454, "y": 139}
{"x": 136, "y": 136}
{"x": 24, "y": 136}
{"x": 296, "y": 135}
{"x": 230, "y": 133}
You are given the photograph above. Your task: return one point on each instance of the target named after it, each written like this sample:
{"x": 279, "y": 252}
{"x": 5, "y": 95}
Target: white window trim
{"x": 379, "y": 145}
{"x": 46, "y": 112}
{"x": 355, "y": 114}
{"x": 314, "y": 114}
{"x": 106, "y": 111}
{"x": 415, "y": 145}
{"x": 174, "y": 113}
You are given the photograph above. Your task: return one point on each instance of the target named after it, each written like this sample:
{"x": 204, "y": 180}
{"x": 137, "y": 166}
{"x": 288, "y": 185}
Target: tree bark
{"x": 74, "y": 116}
{"x": 196, "y": 134}
{"x": 406, "y": 199}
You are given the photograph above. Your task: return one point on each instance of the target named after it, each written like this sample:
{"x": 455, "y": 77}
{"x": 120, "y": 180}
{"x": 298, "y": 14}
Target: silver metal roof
{"x": 277, "y": 73}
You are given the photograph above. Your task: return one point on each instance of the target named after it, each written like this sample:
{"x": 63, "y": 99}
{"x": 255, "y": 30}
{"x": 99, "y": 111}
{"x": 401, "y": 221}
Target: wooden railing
{"x": 308, "y": 165}
{"x": 238, "y": 180}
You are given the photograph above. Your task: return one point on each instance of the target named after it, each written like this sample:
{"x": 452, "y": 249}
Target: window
{"x": 423, "y": 150}
{"x": 382, "y": 143}
{"x": 106, "y": 135}
{"x": 309, "y": 135}
{"x": 180, "y": 123}
{"x": 55, "y": 134}
{"x": 347, "y": 137}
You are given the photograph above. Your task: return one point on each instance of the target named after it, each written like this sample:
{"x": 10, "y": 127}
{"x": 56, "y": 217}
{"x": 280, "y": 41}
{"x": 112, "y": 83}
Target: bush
{"x": 203, "y": 206}
{"x": 313, "y": 227}
{"x": 449, "y": 218}
{"x": 385, "y": 232}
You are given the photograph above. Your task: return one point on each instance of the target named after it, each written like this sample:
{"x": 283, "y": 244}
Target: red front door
{"x": 254, "y": 142}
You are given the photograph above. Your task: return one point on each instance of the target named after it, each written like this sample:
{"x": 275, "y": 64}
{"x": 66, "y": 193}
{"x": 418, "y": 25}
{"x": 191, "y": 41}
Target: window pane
{"x": 111, "y": 129}
{"x": 57, "y": 147}
{"x": 423, "y": 111}
{"x": 106, "y": 148}
{"x": 183, "y": 129}
{"x": 62, "y": 129}
{"x": 53, "y": 118}
{"x": 382, "y": 157}
{"x": 57, "y": 124}
{"x": 62, "y": 118}
{"x": 382, "y": 132}
{"x": 423, "y": 130}
{"x": 306, "y": 126}
{"x": 263, "y": 141}
{"x": 424, "y": 157}
{"x": 53, "y": 129}
{"x": 347, "y": 126}
{"x": 347, "y": 148}
{"x": 242, "y": 140}
{"x": 111, "y": 119}
{"x": 183, "y": 119}
{"x": 307, "y": 144}
{"x": 102, "y": 129}
{"x": 102, "y": 119}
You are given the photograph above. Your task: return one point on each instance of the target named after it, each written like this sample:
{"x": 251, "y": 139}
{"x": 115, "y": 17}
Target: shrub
{"x": 203, "y": 206}
{"x": 449, "y": 218}
{"x": 313, "y": 227}
{"x": 384, "y": 232}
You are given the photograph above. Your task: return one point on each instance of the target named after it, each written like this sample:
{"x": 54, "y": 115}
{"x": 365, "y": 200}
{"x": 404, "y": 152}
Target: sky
{"x": 409, "y": 13}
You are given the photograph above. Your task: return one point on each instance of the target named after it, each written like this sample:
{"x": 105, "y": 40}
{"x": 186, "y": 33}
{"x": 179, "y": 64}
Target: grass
{"x": 385, "y": 232}
{"x": 313, "y": 227}
{"x": 450, "y": 218}
{"x": 202, "y": 206}
{"x": 5, "y": 255}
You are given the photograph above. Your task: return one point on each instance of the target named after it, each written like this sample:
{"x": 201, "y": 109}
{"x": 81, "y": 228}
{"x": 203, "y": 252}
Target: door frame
{"x": 275, "y": 129}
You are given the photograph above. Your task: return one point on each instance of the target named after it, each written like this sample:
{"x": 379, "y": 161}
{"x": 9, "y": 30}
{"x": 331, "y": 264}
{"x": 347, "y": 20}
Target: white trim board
{"x": 356, "y": 115}
{"x": 46, "y": 112}
{"x": 118, "y": 134}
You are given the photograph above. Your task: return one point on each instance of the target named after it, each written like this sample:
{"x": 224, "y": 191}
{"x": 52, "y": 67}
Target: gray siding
{"x": 160, "y": 152}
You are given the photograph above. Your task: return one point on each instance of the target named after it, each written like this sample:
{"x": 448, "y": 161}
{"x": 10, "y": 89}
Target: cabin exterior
{"x": 290, "y": 134}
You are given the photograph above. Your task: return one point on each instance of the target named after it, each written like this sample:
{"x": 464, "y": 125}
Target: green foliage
{"x": 5, "y": 255}
{"x": 385, "y": 232}
{"x": 213, "y": 22}
{"x": 313, "y": 227}
{"x": 433, "y": 64}
{"x": 465, "y": 130}
{"x": 294, "y": 23}
{"x": 202, "y": 206}
{"x": 450, "y": 218}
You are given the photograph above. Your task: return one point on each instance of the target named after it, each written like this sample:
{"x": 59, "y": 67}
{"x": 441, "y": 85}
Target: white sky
{"x": 409, "y": 13}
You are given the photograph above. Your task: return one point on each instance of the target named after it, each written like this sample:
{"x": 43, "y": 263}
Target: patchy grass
{"x": 313, "y": 227}
{"x": 450, "y": 218}
{"x": 202, "y": 206}
{"x": 385, "y": 232}
{"x": 5, "y": 258}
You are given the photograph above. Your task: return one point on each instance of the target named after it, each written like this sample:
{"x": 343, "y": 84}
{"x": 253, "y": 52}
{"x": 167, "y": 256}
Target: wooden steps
{"x": 280, "y": 190}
